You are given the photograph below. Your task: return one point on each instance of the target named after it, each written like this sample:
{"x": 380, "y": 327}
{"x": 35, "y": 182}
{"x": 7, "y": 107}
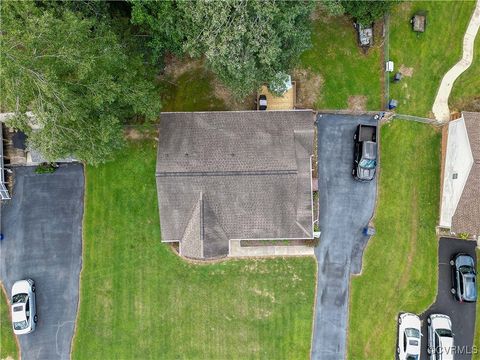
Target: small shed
{"x": 419, "y": 21}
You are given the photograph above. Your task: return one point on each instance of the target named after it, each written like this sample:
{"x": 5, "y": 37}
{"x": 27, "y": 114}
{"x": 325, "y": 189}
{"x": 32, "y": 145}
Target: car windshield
{"x": 20, "y": 325}
{"x": 367, "y": 164}
{"x": 444, "y": 333}
{"x": 412, "y": 357}
{"x": 466, "y": 269}
{"x": 19, "y": 298}
{"x": 410, "y": 332}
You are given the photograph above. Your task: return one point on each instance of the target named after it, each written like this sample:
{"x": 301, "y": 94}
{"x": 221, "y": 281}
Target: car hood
{"x": 441, "y": 321}
{"x": 464, "y": 260}
{"x": 21, "y": 287}
{"x": 18, "y": 315}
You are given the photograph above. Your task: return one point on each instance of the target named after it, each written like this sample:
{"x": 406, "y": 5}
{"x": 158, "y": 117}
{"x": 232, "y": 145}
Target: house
{"x": 460, "y": 206}
{"x": 243, "y": 175}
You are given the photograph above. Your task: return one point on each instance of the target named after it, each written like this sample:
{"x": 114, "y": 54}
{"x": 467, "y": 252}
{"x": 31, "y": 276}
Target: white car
{"x": 24, "y": 311}
{"x": 409, "y": 337}
{"x": 440, "y": 337}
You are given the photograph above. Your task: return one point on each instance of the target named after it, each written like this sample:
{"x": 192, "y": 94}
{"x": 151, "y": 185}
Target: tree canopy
{"x": 246, "y": 43}
{"x": 77, "y": 77}
{"x": 366, "y": 12}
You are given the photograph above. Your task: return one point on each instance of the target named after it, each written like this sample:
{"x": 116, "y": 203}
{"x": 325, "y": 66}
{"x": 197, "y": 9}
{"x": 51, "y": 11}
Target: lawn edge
{"x": 81, "y": 260}
{"x": 314, "y": 305}
{"x": 10, "y": 318}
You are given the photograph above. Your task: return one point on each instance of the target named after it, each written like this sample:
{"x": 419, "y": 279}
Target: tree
{"x": 245, "y": 42}
{"x": 366, "y": 12}
{"x": 76, "y": 76}
{"x": 334, "y": 7}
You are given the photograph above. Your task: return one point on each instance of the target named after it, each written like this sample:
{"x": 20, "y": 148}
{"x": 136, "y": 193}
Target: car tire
{"x": 35, "y": 318}
{"x": 399, "y": 320}
{"x": 429, "y": 321}
{"x": 452, "y": 262}
{"x": 429, "y": 351}
{"x": 398, "y": 350}
{"x": 33, "y": 288}
{"x": 453, "y": 291}
{"x": 355, "y": 137}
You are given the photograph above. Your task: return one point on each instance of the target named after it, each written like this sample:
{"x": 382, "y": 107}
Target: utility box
{"x": 392, "y": 104}
{"x": 389, "y": 66}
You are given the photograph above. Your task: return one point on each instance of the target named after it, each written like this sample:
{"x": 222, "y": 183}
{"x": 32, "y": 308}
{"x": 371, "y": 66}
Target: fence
{"x": 418, "y": 119}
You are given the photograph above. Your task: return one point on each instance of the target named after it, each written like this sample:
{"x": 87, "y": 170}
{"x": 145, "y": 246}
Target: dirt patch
{"x": 132, "y": 133}
{"x": 406, "y": 71}
{"x": 357, "y": 103}
{"x": 223, "y": 93}
{"x": 472, "y": 104}
{"x": 309, "y": 86}
{"x": 174, "y": 67}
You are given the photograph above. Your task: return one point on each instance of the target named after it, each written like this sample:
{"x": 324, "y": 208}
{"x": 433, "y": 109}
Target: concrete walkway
{"x": 295, "y": 250}
{"x": 440, "y": 106}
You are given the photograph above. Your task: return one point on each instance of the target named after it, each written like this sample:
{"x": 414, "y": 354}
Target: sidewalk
{"x": 440, "y": 106}
{"x": 297, "y": 250}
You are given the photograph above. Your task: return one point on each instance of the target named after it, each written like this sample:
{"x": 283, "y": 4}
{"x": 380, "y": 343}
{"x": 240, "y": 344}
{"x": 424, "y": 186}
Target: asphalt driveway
{"x": 346, "y": 207}
{"x": 42, "y": 229}
{"x": 461, "y": 314}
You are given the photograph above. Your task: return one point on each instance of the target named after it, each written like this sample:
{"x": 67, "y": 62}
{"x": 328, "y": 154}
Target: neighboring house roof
{"x": 460, "y": 209}
{"x": 234, "y": 175}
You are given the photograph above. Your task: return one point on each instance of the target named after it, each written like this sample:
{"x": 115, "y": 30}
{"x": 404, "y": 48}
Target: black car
{"x": 262, "y": 102}
{"x": 464, "y": 286}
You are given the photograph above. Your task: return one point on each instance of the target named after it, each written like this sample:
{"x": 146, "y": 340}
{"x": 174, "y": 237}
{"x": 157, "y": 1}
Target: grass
{"x": 429, "y": 55}
{"x": 476, "y": 338}
{"x": 8, "y": 345}
{"x": 139, "y": 300}
{"x": 190, "y": 91}
{"x": 466, "y": 90}
{"x": 345, "y": 69}
{"x": 400, "y": 262}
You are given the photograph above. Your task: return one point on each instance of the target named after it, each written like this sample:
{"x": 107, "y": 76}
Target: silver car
{"x": 24, "y": 310}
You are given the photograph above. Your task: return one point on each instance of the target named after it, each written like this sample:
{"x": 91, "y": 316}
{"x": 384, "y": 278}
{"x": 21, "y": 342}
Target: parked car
{"x": 440, "y": 337}
{"x": 262, "y": 102}
{"x": 409, "y": 337}
{"x": 464, "y": 281}
{"x": 24, "y": 311}
{"x": 365, "y": 152}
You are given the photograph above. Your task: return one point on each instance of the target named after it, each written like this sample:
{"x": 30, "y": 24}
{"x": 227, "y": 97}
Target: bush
{"x": 46, "y": 168}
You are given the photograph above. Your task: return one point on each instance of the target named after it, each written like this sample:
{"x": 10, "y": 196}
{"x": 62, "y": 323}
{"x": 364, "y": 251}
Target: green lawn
{"x": 139, "y": 300}
{"x": 8, "y": 345}
{"x": 467, "y": 87}
{"x": 190, "y": 91}
{"x": 429, "y": 55}
{"x": 400, "y": 262}
{"x": 345, "y": 69}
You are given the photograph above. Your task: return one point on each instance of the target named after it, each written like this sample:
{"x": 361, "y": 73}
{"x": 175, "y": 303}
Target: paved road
{"x": 42, "y": 228}
{"x": 462, "y": 315}
{"x": 346, "y": 207}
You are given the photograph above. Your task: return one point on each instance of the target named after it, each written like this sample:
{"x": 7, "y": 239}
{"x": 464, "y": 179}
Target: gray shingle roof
{"x": 234, "y": 175}
{"x": 467, "y": 214}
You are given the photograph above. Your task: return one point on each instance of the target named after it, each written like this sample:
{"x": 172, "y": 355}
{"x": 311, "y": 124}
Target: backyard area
{"x": 466, "y": 90}
{"x": 351, "y": 78}
{"x": 8, "y": 345}
{"x": 140, "y": 300}
{"x": 424, "y": 58}
{"x": 400, "y": 263}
